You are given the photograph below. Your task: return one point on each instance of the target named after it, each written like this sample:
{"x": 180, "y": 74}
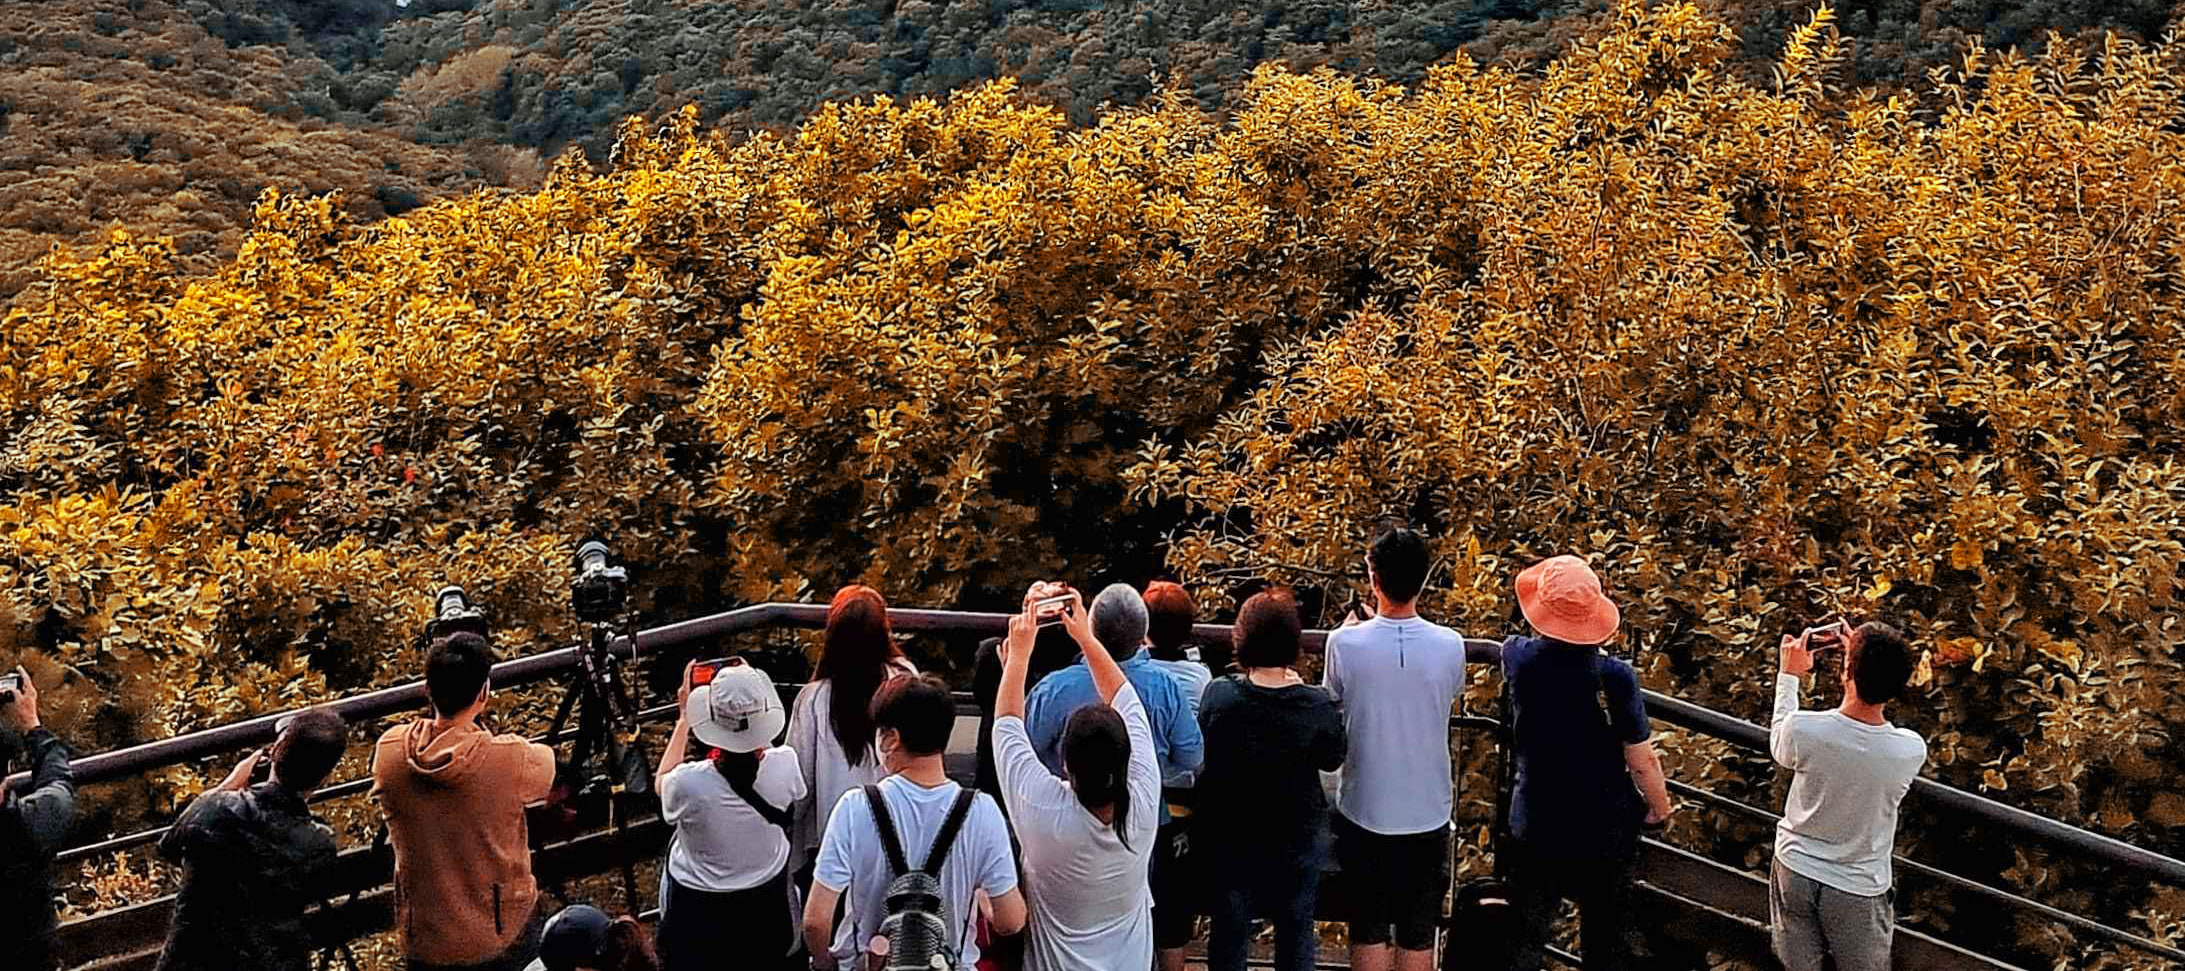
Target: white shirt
{"x": 827, "y": 771}
{"x": 1397, "y": 680}
{"x": 1839, "y": 825}
{"x": 851, "y": 859}
{"x": 721, "y": 843}
{"x": 1192, "y": 677}
{"x": 1090, "y": 905}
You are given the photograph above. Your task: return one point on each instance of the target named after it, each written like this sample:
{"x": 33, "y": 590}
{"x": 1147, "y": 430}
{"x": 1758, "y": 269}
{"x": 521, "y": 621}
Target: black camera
{"x": 600, "y": 592}
{"x": 453, "y": 613}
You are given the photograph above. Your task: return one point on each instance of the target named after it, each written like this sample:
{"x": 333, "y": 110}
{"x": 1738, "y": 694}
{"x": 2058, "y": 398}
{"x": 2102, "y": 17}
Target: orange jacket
{"x": 455, "y": 815}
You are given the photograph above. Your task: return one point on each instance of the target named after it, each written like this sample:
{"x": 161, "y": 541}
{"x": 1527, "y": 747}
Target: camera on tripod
{"x": 600, "y": 592}
{"x": 452, "y": 614}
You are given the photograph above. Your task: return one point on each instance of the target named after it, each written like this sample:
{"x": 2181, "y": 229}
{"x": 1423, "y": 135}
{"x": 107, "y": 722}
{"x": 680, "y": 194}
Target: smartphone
{"x": 1051, "y": 610}
{"x": 702, "y": 673}
{"x": 10, "y": 683}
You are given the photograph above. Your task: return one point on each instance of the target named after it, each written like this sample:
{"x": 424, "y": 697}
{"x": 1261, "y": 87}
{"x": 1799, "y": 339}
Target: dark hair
{"x": 1096, "y": 753}
{"x": 1169, "y": 614}
{"x": 310, "y": 748}
{"x": 1880, "y": 663}
{"x": 856, "y": 654}
{"x": 1267, "y": 631}
{"x": 1399, "y": 559}
{"x": 456, "y": 669}
{"x": 629, "y": 947}
{"x": 739, "y": 768}
{"x": 920, "y": 710}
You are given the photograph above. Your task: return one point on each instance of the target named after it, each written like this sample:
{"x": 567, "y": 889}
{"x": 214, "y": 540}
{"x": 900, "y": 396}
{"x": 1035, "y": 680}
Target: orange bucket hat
{"x": 1562, "y": 598}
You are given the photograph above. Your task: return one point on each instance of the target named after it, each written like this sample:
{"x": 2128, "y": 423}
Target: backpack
{"x": 917, "y": 926}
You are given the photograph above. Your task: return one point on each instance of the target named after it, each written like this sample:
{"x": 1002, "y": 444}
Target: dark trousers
{"x": 1600, "y": 884}
{"x": 696, "y": 924}
{"x": 1283, "y": 888}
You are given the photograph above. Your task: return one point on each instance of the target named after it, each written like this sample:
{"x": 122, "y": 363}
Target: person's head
{"x": 913, "y": 716}
{"x": 309, "y": 748}
{"x": 583, "y": 938}
{"x": 456, "y": 672}
{"x": 1169, "y": 616}
{"x": 1878, "y": 663}
{"x": 1398, "y": 562}
{"x": 1562, "y": 599}
{"x": 855, "y": 655}
{"x": 1096, "y": 760}
{"x": 1119, "y": 620}
{"x": 1267, "y": 630}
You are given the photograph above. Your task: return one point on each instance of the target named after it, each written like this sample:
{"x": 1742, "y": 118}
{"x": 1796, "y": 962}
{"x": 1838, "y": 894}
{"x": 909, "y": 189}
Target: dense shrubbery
{"x": 1759, "y": 350}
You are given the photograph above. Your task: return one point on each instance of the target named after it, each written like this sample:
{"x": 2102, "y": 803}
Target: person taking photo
{"x": 34, "y": 818}
{"x": 728, "y": 865}
{"x": 1830, "y": 896}
{"x": 253, "y": 856}
{"x": 454, "y": 795}
{"x": 1088, "y": 836}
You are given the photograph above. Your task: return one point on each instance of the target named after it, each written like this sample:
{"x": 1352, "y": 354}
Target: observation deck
{"x": 1684, "y": 896}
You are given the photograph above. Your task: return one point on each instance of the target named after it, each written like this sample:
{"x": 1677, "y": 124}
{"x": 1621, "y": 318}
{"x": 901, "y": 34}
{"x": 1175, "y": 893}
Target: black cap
{"x": 574, "y": 938}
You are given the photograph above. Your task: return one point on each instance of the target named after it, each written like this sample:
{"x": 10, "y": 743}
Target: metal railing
{"x": 2124, "y": 858}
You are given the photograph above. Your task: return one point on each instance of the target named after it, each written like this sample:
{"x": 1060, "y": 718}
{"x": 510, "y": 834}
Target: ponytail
{"x": 1096, "y": 753}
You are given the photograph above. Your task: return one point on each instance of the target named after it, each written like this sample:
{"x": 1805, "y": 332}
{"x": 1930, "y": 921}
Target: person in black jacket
{"x": 1261, "y": 823}
{"x": 253, "y": 857}
{"x": 34, "y": 817}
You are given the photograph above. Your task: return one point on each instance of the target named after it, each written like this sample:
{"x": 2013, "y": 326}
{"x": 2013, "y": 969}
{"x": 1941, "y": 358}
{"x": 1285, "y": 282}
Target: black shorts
{"x": 1393, "y": 885}
{"x": 1178, "y": 893}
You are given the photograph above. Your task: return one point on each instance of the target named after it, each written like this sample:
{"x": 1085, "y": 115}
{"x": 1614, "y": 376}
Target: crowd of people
{"x": 1128, "y": 781}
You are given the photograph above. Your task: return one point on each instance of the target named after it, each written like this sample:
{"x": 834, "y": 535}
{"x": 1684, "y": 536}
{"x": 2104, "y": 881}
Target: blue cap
{"x": 574, "y": 938}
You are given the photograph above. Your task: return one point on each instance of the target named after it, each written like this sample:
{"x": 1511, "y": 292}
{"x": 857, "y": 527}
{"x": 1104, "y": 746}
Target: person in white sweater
{"x": 1830, "y": 894}
{"x": 1087, "y": 838}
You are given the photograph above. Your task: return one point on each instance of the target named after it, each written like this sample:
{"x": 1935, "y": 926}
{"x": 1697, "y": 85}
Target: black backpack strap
{"x": 750, "y": 795}
{"x": 889, "y": 840}
{"x": 944, "y": 840}
{"x": 1505, "y": 769}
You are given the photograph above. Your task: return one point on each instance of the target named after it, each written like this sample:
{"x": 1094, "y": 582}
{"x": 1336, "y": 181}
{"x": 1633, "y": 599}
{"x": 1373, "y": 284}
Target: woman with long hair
{"x": 830, "y": 725}
{"x": 727, "y": 875}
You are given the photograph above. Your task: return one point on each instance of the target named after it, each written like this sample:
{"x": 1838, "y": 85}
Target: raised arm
{"x": 1796, "y": 661}
{"x": 1106, "y": 674}
{"x": 678, "y": 740}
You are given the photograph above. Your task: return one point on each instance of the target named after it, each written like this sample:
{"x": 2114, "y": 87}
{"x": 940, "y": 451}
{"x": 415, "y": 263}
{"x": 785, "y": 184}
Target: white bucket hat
{"x": 739, "y": 712}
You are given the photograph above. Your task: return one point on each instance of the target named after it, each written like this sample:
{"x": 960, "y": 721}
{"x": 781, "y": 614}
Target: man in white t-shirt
{"x": 1397, "y": 677}
{"x": 913, "y": 716}
{"x": 1089, "y": 839}
{"x": 1829, "y": 892}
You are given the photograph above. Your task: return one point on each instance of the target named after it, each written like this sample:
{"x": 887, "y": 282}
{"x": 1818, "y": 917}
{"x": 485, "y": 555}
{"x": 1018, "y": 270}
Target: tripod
{"x": 606, "y": 727}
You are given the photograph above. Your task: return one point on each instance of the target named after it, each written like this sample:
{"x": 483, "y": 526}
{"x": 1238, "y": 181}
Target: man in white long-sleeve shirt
{"x": 1830, "y": 894}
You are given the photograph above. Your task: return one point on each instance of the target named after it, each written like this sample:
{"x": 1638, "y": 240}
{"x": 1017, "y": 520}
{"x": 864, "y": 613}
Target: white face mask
{"x": 885, "y": 752}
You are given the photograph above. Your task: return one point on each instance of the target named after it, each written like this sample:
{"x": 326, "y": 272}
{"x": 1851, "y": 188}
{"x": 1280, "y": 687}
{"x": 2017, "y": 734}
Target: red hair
{"x": 1170, "y": 612}
{"x": 856, "y": 655}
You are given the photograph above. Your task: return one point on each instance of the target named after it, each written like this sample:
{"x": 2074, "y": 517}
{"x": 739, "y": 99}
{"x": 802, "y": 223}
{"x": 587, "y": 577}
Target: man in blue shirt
{"x": 1119, "y": 622}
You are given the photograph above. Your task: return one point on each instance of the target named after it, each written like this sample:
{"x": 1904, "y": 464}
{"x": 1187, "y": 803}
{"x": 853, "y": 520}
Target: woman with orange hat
{"x": 1588, "y": 780}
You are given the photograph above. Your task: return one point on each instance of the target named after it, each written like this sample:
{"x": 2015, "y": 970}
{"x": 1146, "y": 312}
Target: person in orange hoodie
{"x": 454, "y": 795}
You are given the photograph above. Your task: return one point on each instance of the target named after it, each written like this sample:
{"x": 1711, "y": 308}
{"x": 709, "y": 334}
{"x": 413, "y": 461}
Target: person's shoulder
{"x": 782, "y": 758}
{"x": 1909, "y": 743}
{"x": 1618, "y": 672}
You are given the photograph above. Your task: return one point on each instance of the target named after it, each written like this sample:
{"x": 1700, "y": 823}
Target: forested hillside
{"x": 132, "y": 114}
